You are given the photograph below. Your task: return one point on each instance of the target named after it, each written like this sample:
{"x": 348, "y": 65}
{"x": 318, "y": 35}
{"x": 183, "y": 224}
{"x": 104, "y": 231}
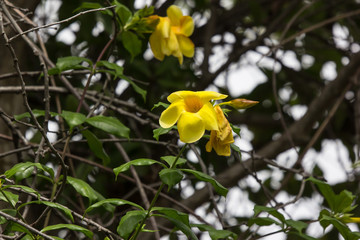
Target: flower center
{"x": 193, "y": 104}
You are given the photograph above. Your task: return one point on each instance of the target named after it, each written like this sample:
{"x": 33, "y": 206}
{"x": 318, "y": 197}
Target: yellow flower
{"x": 193, "y": 112}
{"x": 171, "y": 35}
{"x": 220, "y": 139}
{"x": 240, "y": 103}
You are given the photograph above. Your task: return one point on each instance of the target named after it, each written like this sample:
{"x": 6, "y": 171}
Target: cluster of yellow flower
{"x": 171, "y": 35}
{"x": 194, "y": 114}
{"x": 192, "y": 111}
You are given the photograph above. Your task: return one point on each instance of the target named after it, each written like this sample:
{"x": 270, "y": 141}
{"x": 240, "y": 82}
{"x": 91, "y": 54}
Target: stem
{"x": 152, "y": 204}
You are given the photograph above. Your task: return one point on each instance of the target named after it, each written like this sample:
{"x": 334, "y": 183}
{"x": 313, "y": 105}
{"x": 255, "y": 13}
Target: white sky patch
{"x": 141, "y": 3}
{"x": 341, "y": 36}
{"x": 328, "y": 71}
{"x": 285, "y": 93}
{"x": 99, "y": 28}
{"x": 66, "y": 36}
{"x": 121, "y": 86}
{"x": 290, "y": 60}
{"x": 307, "y": 61}
{"x": 333, "y": 160}
{"x": 238, "y": 203}
{"x": 298, "y": 111}
{"x": 53, "y": 127}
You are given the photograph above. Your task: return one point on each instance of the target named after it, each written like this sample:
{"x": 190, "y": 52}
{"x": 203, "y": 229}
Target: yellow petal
{"x": 191, "y": 128}
{"x": 155, "y": 45}
{"x": 186, "y": 46}
{"x": 175, "y": 14}
{"x": 206, "y": 96}
{"x": 171, "y": 115}
{"x": 210, "y": 95}
{"x": 172, "y": 45}
{"x": 187, "y": 25}
{"x": 224, "y": 127}
{"x": 164, "y": 27}
{"x": 210, "y": 143}
{"x": 208, "y": 115}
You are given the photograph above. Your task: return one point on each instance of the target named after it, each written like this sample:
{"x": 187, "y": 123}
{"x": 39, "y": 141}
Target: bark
{"x": 12, "y": 103}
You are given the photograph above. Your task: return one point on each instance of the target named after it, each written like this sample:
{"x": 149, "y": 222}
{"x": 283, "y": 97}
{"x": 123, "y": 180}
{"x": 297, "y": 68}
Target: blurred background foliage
{"x": 299, "y": 48}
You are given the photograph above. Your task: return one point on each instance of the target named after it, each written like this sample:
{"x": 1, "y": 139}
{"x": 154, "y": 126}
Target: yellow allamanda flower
{"x": 171, "y": 35}
{"x": 193, "y": 113}
{"x": 220, "y": 139}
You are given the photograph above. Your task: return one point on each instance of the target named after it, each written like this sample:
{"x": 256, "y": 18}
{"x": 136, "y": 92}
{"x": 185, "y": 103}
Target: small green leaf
{"x": 182, "y": 226}
{"x": 118, "y": 70}
{"x": 136, "y": 88}
{"x": 96, "y": 146}
{"x": 129, "y": 222}
{"x": 84, "y": 189}
{"x": 67, "y": 63}
{"x": 66, "y": 210}
{"x": 137, "y": 162}
{"x": 160, "y": 131}
{"x": 220, "y": 189}
{"x": 73, "y": 119}
{"x": 11, "y": 212}
{"x": 114, "y": 201}
{"x": 171, "y": 177}
{"x": 24, "y": 188}
{"x": 235, "y": 129}
{"x": 298, "y": 225}
{"x": 123, "y": 12}
{"x": 37, "y": 113}
{"x": 170, "y": 212}
{"x": 110, "y": 125}
{"x": 131, "y": 43}
{"x": 72, "y": 227}
{"x": 272, "y": 211}
{"x": 171, "y": 159}
{"x": 162, "y": 104}
{"x": 24, "y": 170}
{"x": 325, "y": 190}
{"x": 263, "y": 221}
{"x": 9, "y": 196}
{"x": 214, "y": 233}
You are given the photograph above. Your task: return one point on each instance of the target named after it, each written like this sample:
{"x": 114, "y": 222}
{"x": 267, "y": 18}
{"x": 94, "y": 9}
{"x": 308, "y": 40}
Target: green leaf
{"x": 11, "y": 212}
{"x": 272, "y": 211}
{"x": 73, "y": 119}
{"x": 302, "y": 235}
{"x": 160, "y": 131}
{"x": 37, "y": 113}
{"x": 129, "y": 222}
{"x": 170, "y": 212}
{"x": 343, "y": 229}
{"x": 24, "y": 170}
{"x": 72, "y": 227}
{"x": 84, "y": 189}
{"x": 117, "y": 71}
{"x": 96, "y": 146}
{"x": 263, "y": 221}
{"x": 171, "y": 159}
{"x": 235, "y": 129}
{"x": 220, "y": 189}
{"x": 171, "y": 177}
{"x": 24, "y": 188}
{"x": 137, "y": 162}
{"x": 343, "y": 202}
{"x": 298, "y": 225}
{"x": 67, "y": 63}
{"x": 185, "y": 228}
{"x": 66, "y": 210}
{"x": 9, "y": 196}
{"x": 214, "y": 233}
{"x": 136, "y": 88}
{"x": 131, "y": 43}
{"x": 325, "y": 190}
{"x": 110, "y": 125}
{"x": 123, "y": 12}
{"x": 162, "y": 104}
{"x": 114, "y": 201}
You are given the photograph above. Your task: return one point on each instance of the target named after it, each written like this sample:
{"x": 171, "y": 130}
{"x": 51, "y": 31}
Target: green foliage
{"x": 215, "y": 234}
{"x": 110, "y": 125}
{"x": 129, "y": 222}
{"x": 96, "y": 146}
{"x": 72, "y": 227}
{"x": 24, "y": 170}
{"x": 171, "y": 177}
{"x": 137, "y": 162}
{"x": 113, "y": 201}
{"x": 68, "y": 63}
{"x": 160, "y": 131}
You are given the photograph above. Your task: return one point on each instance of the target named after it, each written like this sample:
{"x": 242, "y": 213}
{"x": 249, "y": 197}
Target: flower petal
{"x": 171, "y": 115}
{"x": 208, "y": 116}
{"x": 155, "y": 45}
{"x": 164, "y": 27}
{"x": 210, "y": 95}
{"x": 186, "y": 46}
{"x": 171, "y": 46}
{"x": 175, "y": 14}
{"x": 191, "y": 127}
{"x": 187, "y": 25}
